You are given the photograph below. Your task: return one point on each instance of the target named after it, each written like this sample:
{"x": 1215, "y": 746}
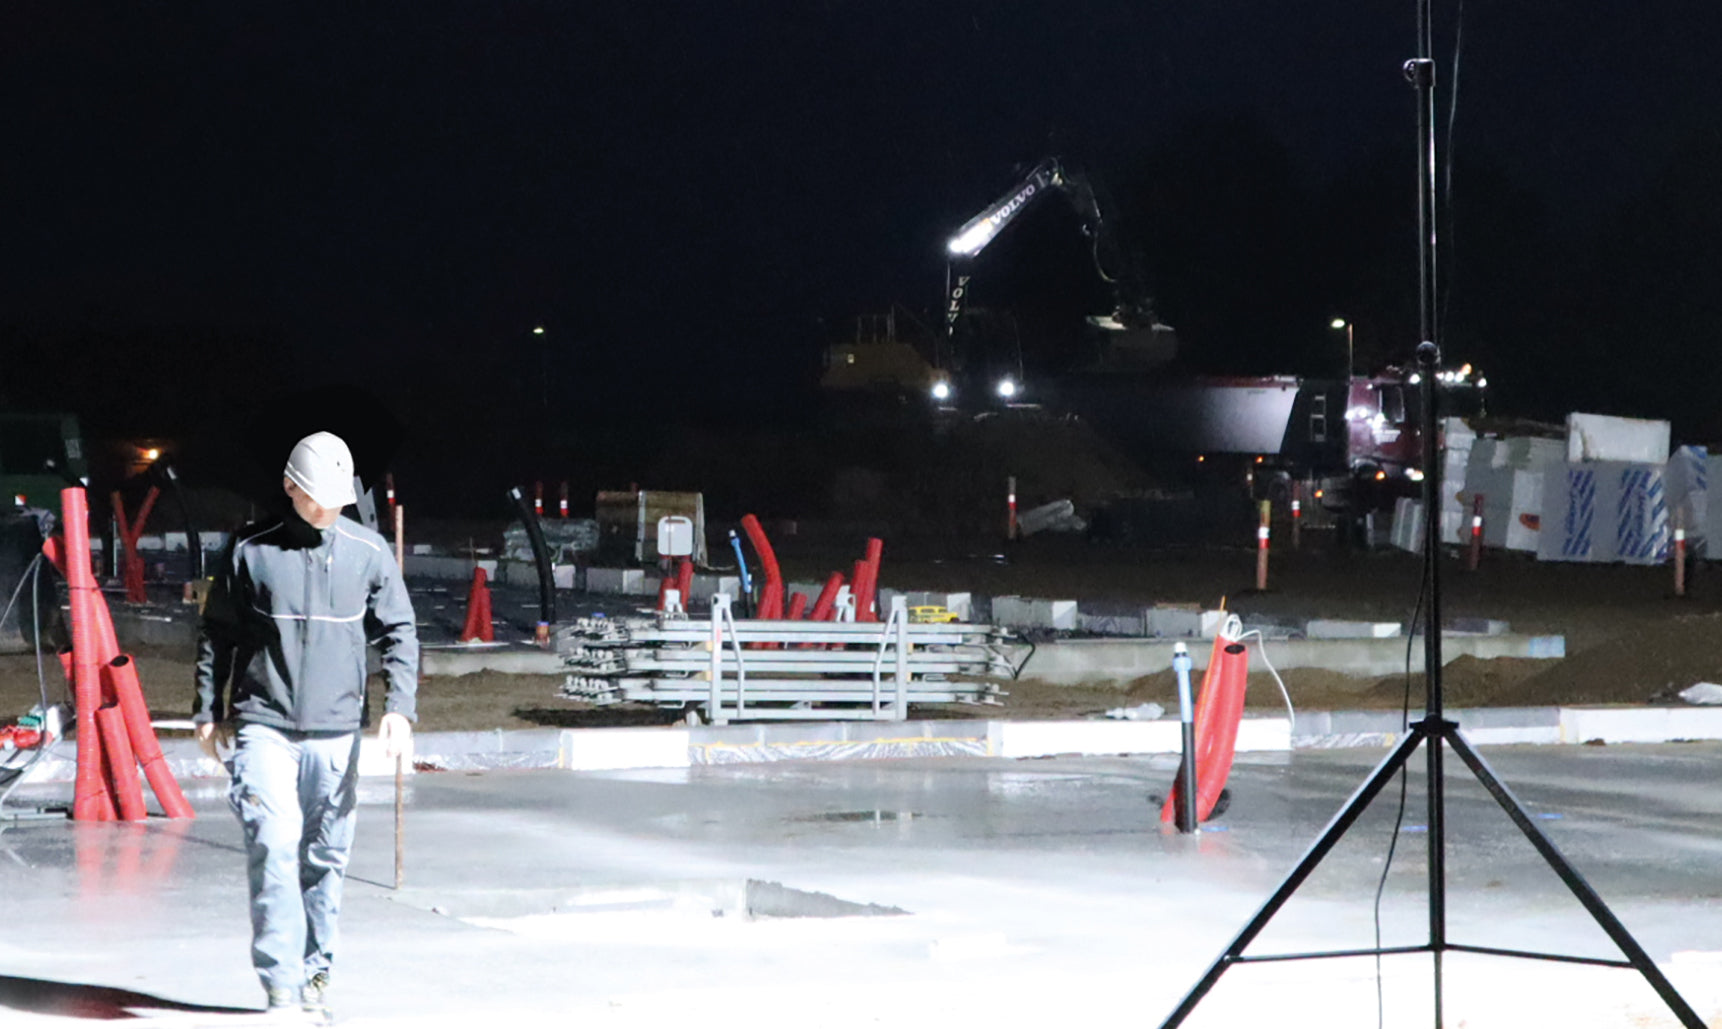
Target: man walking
{"x": 281, "y": 678}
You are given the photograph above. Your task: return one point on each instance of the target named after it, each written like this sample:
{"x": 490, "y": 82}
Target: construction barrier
{"x": 1219, "y": 710}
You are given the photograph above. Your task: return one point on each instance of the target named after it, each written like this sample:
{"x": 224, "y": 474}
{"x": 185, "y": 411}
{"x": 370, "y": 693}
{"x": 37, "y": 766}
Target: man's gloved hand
{"x": 396, "y": 734}
{"x": 213, "y": 737}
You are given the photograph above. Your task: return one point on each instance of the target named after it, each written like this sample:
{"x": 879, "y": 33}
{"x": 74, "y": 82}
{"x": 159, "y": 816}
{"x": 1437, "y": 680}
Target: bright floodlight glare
{"x": 971, "y": 242}
{"x": 1007, "y": 388}
{"x": 1416, "y": 377}
{"x": 1482, "y": 383}
{"x": 1415, "y": 474}
{"x": 152, "y": 453}
{"x": 538, "y": 330}
{"x": 941, "y": 390}
{"x": 1337, "y": 323}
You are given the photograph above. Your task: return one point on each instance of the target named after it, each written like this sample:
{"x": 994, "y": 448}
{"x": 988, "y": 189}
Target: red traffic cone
{"x": 478, "y": 628}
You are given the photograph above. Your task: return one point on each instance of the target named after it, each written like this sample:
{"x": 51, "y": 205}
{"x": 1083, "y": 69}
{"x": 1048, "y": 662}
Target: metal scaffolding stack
{"x": 749, "y": 669}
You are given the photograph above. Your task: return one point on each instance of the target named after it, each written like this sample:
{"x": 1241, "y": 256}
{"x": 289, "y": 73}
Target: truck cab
{"x": 40, "y": 454}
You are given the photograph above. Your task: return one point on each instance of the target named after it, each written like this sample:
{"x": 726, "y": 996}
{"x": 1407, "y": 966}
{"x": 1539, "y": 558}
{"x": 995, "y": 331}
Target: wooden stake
{"x": 401, "y": 537}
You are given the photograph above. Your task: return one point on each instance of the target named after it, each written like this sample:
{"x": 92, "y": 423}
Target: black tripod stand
{"x": 1434, "y": 730}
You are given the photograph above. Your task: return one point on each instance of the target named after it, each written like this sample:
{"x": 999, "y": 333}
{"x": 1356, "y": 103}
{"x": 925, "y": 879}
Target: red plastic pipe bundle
{"x": 1219, "y": 709}
{"x": 770, "y": 594}
{"x": 867, "y": 581}
{"x": 130, "y": 533}
{"x": 114, "y": 731}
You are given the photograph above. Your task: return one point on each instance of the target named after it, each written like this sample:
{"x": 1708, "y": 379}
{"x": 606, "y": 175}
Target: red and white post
{"x": 1262, "y": 533}
{"x": 1679, "y": 554}
{"x": 1010, "y": 507}
{"x": 562, "y": 501}
{"x": 1475, "y": 554}
{"x": 1296, "y": 514}
{"x": 538, "y": 499}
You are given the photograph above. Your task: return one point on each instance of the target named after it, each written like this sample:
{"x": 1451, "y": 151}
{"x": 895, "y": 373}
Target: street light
{"x": 1341, "y": 323}
{"x": 543, "y": 373}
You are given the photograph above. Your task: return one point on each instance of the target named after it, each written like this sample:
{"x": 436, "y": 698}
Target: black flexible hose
{"x": 541, "y": 555}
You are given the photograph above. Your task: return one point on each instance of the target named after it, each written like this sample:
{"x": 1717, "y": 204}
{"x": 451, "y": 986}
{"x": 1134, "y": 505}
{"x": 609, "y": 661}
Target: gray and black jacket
{"x": 286, "y": 623}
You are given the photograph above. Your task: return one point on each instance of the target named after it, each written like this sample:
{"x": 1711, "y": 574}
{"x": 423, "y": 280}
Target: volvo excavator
{"x": 1134, "y": 334}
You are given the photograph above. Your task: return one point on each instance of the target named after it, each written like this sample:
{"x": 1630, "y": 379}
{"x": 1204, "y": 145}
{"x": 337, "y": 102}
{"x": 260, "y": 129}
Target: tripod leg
{"x": 1575, "y": 882}
{"x": 1336, "y": 828}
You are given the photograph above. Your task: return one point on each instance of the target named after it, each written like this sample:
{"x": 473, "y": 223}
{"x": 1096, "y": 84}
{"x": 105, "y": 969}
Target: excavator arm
{"x": 1133, "y": 309}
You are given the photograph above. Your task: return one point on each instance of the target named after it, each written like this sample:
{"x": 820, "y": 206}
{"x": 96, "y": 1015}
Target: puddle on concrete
{"x": 749, "y": 899}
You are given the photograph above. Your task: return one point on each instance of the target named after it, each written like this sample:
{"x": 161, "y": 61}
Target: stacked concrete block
{"x": 1455, "y": 505}
{"x": 1033, "y": 613}
{"x": 1604, "y": 511}
{"x": 1408, "y": 525}
{"x": 1111, "y": 624}
{"x": 509, "y": 573}
{"x": 707, "y": 586}
{"x": 1334, "y": 629}
{"x": 1174, "y": 621}
{"x": 617, "y": 580}
{"x": 1597, "y": 437}
{"x": 1512, "y": 515}
{"x": 1688, "y": 480}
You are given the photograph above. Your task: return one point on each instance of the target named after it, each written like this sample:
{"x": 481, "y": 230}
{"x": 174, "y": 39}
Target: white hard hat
{"x": 322, "y": 466}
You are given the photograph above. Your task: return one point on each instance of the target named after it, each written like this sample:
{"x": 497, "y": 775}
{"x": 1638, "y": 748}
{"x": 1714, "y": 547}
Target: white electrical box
{"x": 675, "y": 536}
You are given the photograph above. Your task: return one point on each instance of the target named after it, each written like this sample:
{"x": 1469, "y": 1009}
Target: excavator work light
{"x": 1007, "y": 388}
{"x": 941, "y": 390}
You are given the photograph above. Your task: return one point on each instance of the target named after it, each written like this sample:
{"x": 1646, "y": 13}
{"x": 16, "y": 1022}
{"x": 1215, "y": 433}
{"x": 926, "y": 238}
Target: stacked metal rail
{"x": 749, "y": 669}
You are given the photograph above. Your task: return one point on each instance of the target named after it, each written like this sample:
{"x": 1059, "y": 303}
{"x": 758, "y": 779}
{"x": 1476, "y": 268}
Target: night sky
{"x": 207, "y": 204}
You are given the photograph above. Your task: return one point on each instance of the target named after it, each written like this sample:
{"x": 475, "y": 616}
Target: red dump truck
{"x": 1355, "y": 446}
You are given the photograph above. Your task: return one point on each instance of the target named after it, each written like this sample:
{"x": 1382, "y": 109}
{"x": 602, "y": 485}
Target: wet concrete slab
{"x": 907, "y": 892}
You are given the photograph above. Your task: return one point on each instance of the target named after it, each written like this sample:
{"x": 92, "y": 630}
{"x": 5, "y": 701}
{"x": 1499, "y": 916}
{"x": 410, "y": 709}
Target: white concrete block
{"x": 1599, "y": 437}
{"x": 564, "y": 576}
{"x": 707, "y": 586}
{"x": 593, "y": 750}
{"x": 1034, "y": 613}
{"x": 1163, "y": 736}
{"x": 1335, "y": 629}
{"x": 1010, "y": 611}
{"x": 1640, "y": 724}
{"x": 615, "y": 580}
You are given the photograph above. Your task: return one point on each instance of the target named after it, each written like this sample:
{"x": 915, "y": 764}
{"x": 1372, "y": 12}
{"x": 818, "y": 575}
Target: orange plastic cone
{"x": 478, "y": 628}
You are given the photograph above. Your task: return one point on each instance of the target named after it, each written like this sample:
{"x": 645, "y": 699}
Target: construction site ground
{"x": 1628, "y": 639}
{"x": 913, "y": 892}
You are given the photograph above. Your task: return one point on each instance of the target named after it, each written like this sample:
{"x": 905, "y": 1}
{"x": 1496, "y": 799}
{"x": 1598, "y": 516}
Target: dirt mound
{"x": 1466, "y": 681}
{"x": 1648, "y": 665}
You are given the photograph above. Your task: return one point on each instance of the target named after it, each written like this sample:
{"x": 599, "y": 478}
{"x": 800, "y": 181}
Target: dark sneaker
{"x": 316, "y": 1000}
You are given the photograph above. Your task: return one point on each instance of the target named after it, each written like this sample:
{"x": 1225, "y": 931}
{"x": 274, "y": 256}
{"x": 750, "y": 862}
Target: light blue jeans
{"x": 296, "y": 795}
